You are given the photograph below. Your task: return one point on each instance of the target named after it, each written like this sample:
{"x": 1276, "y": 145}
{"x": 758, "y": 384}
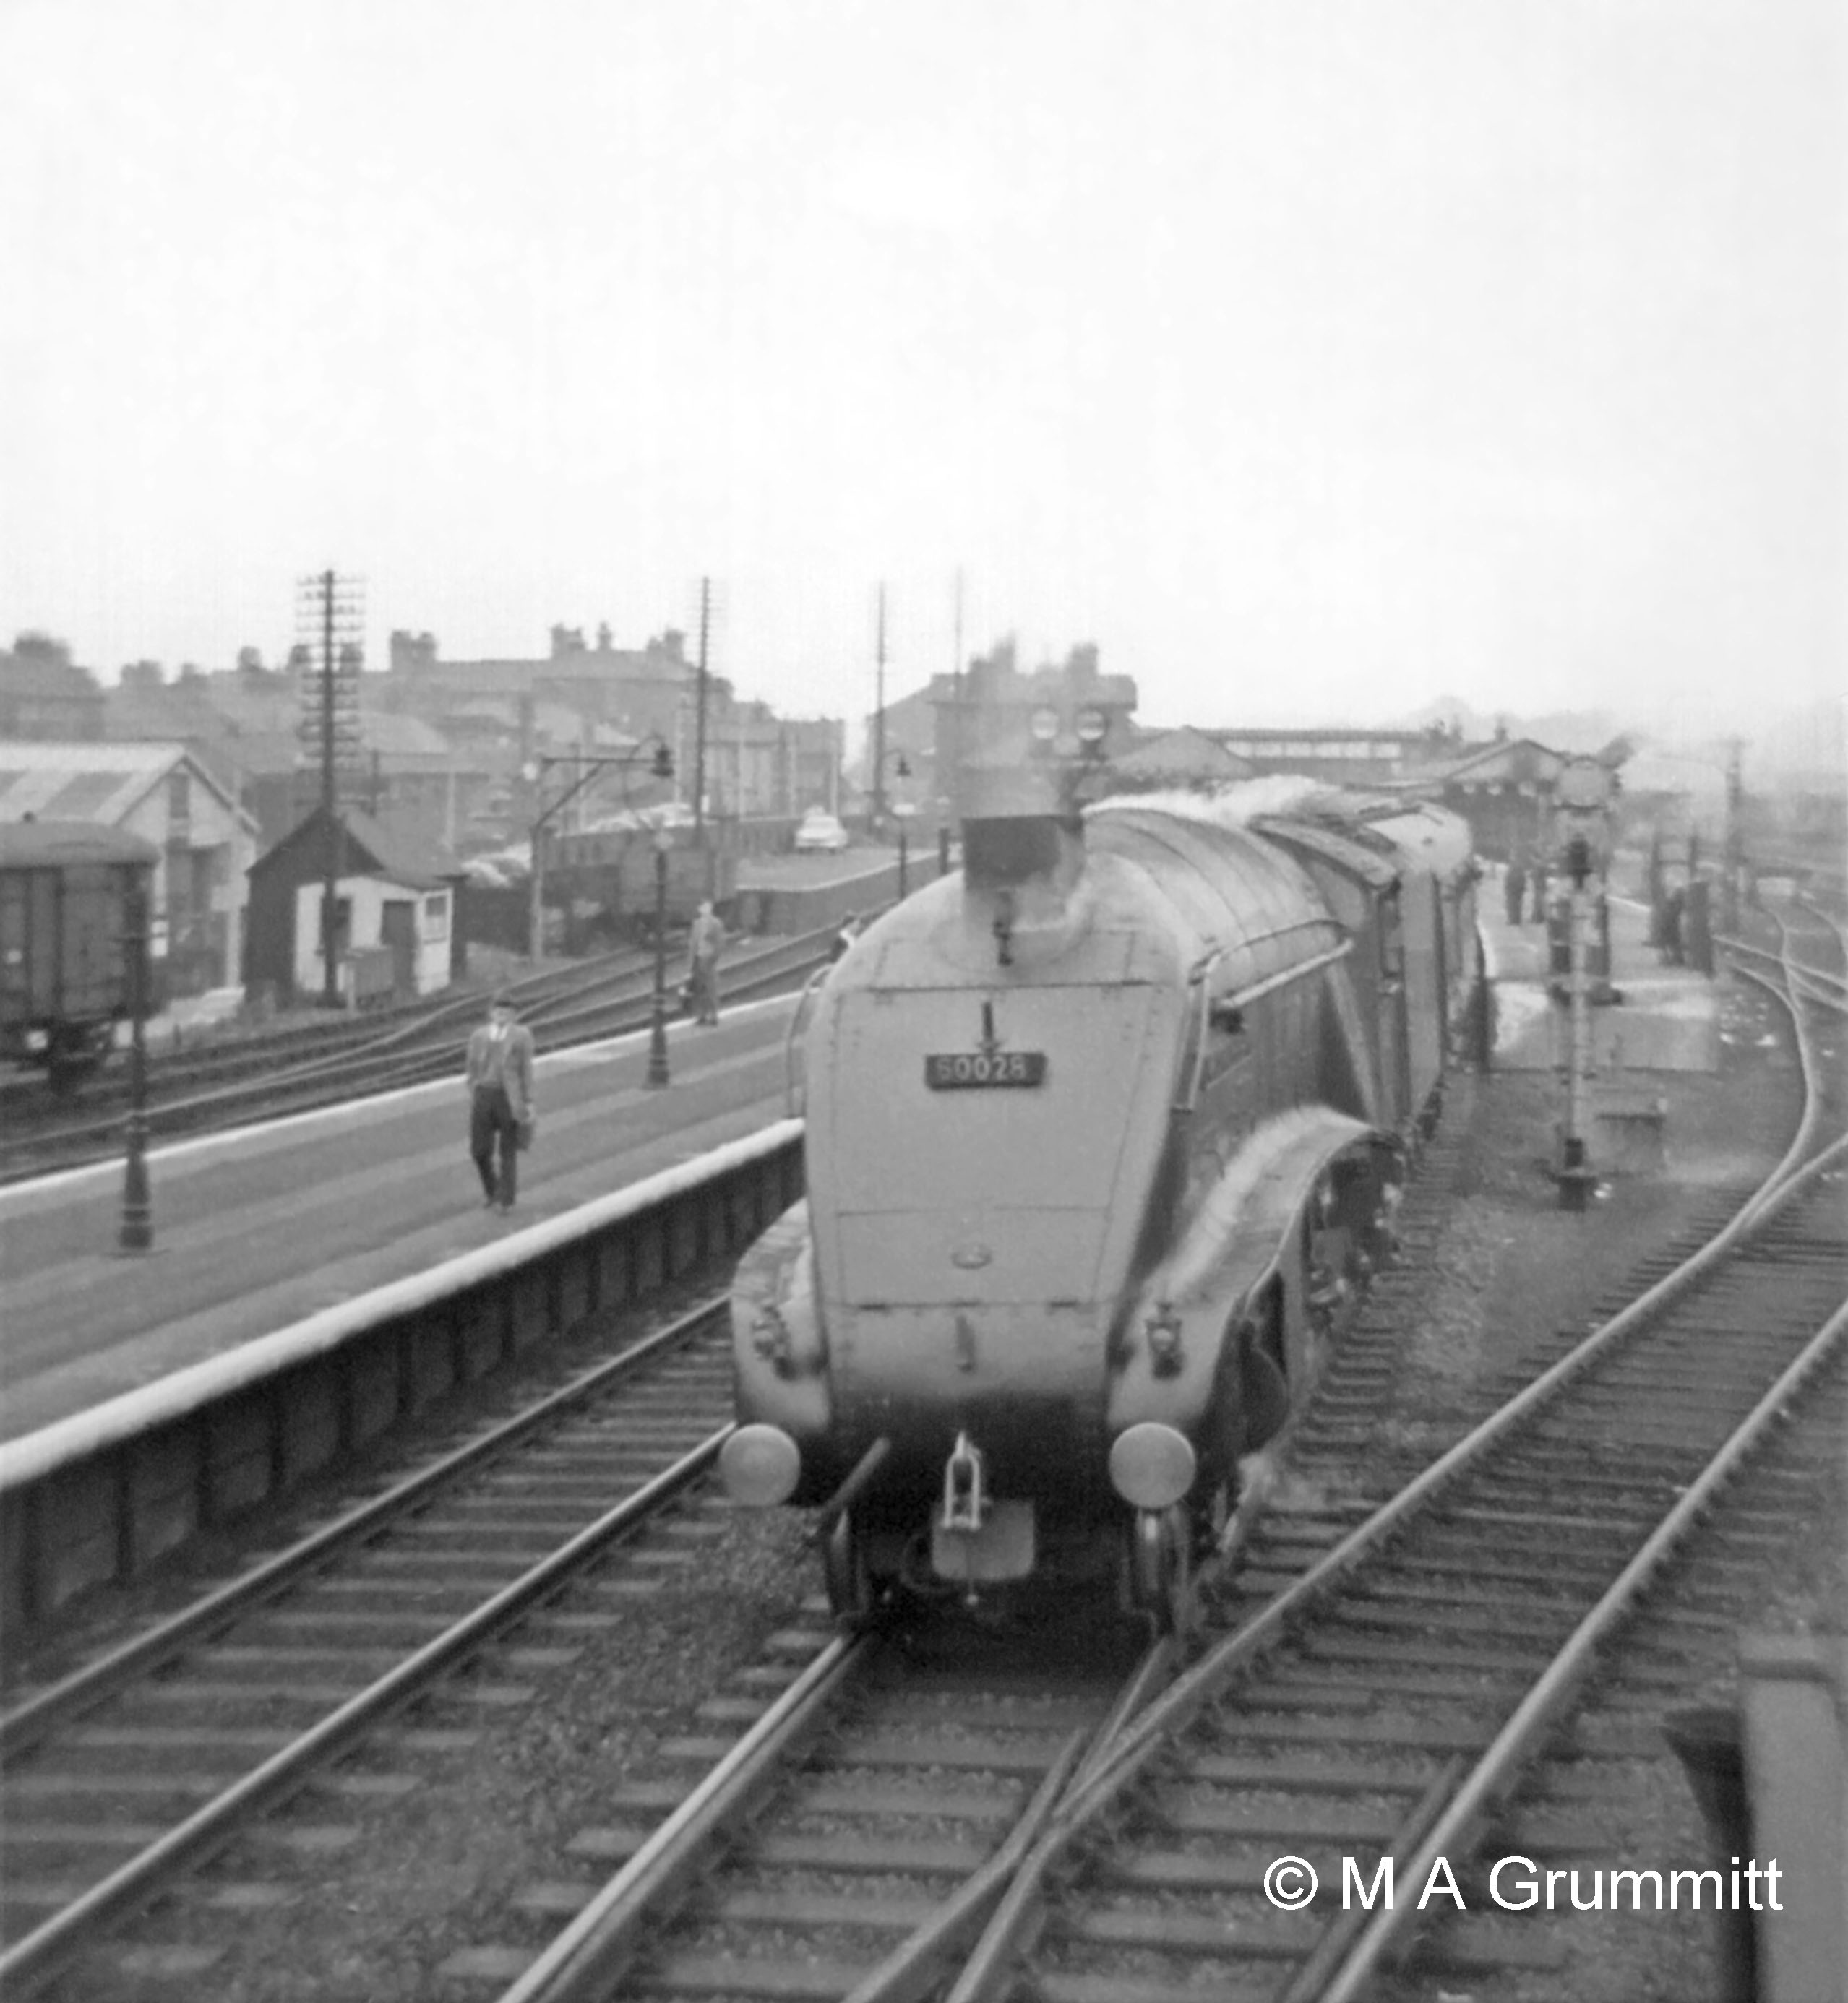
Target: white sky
{"x": 1313, "y": 357}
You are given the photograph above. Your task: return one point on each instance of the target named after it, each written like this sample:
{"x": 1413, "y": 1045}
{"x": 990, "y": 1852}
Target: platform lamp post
{"x": 137, "y": 1232}
{"x": 901, "y": 769}
{"x": 657, "y": 1026}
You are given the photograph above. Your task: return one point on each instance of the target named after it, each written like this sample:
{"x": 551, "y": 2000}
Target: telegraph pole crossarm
{"x": 329, "y": 693}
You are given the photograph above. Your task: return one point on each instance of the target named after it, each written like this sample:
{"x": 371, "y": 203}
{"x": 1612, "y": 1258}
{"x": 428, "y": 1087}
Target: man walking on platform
{"x": 703, "y": 947}
{"x": 1514, "y": 889}
{"x": 499, "y": 1079}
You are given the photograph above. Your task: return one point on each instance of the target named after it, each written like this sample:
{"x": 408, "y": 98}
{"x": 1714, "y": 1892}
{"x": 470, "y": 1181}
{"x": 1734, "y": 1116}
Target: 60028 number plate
{"x": 961, "y": 1070}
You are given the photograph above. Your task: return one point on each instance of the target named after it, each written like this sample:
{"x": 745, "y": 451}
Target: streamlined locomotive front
{"x": 976, "y": 1106}
{"x": 1056, "y": 1137}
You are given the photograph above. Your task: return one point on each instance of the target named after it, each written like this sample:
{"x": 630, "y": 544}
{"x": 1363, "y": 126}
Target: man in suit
{"x": 703, "y": 947}
{"x": 499, "y": 1080}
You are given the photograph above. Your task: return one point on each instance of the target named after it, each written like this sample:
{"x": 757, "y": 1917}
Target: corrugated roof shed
{"x": 93, "y": 781}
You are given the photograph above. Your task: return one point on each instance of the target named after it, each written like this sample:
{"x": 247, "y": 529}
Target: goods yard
{"x": 528, "y": 1709}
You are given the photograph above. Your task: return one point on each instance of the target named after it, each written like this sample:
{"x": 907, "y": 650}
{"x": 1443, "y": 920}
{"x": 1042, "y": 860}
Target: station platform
{"x": 257, "y": 1229}
{"x": 1667, "y": 1020}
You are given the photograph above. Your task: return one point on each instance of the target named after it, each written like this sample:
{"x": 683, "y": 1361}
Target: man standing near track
{"x": 499, "y": 1079}
{"x": 703, "y": 947}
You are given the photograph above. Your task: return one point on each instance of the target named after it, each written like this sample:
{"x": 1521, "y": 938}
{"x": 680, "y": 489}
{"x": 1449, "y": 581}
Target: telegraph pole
{"x": 329, "y": 806}
{"x": 1735, "y": 833}
{"x": 879, "y": 723}
{"x": 699, "y": 716}
{"x": 953, "y": 791}
{"x": 329, "y": 698}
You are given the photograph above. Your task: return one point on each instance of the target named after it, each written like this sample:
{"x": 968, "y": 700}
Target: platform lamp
{"x": 902, "y": 769}
{"x": 657, "y": 1026}
{"x": 901, "y": 766}
{"x": 137, "y": 1232}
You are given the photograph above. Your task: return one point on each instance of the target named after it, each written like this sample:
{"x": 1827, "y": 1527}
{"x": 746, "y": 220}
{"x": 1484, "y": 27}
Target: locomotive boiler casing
{"x": 1055, "y": 1181}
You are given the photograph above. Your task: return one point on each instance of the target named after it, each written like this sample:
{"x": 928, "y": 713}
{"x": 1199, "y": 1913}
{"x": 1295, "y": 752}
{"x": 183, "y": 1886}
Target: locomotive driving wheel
{"x": 850, "y": 1594}
{"x": 1161, "y": 1578}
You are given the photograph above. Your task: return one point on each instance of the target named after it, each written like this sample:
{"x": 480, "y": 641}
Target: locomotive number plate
{"x": 959, "y": 1070}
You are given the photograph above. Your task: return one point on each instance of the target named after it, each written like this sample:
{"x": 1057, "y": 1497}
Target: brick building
{"x": 509, "y": 713}
{"x": 44, "y": 697}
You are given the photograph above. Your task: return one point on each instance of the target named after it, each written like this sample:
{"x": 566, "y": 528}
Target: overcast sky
{"x": 1313, "y": 357}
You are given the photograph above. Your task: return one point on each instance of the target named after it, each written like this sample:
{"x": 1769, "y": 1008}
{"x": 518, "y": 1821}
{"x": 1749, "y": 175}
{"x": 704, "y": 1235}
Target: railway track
{"x": 1386, "y": 1702}
{"x": 206, "y": 1708}
{"x": 615, "y": 1001}
{"x": 910, "y": 1808}
{"x": 122, "y": 1775}
{"x": 224, "y": 1057}
{"x": 852, "y": 1842}
{"x": 1371, "y": 1689}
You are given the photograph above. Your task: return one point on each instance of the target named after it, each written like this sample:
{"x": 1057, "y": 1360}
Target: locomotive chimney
{"x": 1023, "y": 856}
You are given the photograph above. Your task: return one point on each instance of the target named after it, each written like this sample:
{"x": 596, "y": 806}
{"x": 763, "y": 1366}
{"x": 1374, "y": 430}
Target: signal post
{"x": 1583, "y": 803}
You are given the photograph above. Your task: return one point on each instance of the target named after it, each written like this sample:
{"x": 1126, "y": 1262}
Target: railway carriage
{"x": 1103, "y": 1135}
{"x": 65, "y": 890}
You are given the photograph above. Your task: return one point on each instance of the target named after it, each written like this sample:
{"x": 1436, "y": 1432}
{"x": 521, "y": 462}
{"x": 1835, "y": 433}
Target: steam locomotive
{"x": 1104, "y": 1136}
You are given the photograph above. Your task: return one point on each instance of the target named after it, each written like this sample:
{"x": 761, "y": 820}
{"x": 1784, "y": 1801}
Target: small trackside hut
{"x": 395, "y": 912}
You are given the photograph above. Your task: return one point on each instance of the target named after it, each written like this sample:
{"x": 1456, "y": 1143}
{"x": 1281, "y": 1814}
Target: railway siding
{"x": 98, "y": 1497}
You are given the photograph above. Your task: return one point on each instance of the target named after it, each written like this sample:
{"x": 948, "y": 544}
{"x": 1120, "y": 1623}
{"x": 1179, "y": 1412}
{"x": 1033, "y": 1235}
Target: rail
{"x": 99, "y": 1496}
{"x": 1447, "y": 1816}
{"x": 623, "y": 1004}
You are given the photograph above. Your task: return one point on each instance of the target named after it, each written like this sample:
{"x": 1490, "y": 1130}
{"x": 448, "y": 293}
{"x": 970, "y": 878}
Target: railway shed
{"x": 163, "y": 794}
{"x": 396, "y": 896}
